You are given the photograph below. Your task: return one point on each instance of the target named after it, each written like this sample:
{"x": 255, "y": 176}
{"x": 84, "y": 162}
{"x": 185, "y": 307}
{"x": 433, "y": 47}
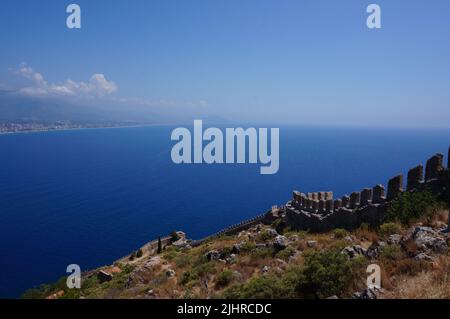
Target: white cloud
{"x": 97, "y": 86}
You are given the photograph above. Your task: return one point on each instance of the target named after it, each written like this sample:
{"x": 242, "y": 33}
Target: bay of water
{"x": 90, "y": 197}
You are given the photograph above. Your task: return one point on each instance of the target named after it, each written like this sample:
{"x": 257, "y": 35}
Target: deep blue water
{"x": 91, "y": 196}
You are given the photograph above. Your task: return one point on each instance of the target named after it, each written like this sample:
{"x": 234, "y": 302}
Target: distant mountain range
{"x": 18, "y": 109}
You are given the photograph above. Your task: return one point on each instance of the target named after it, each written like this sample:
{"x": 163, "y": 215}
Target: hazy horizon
{"x": 283, "y": 62}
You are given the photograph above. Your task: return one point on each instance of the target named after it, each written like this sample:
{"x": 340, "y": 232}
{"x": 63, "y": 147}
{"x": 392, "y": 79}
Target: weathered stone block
{"x": 378, "y": 194}
{"x": 415, "y": 178}
{"x": 315, "y": 206}
{"x": 395, "y": 186}
{"x": 355, "y": 199}
{"x": 310, "y": 204}
{"x": 345, "y": 201}
{"x": 329, "y": 205}
{"x": 434, "y": 167}
{"x": 337, "y": 203}
{"x": 303, "y": 199}
{"x": 366, "y": 196}
{"x": 328, "y": 195}
{"x": 448, "y": 164}
{"x": 296, "y": 195}
{"x": 321, "y": 206}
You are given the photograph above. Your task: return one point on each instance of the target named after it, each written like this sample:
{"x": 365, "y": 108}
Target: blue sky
{"x": 265, "y": 61}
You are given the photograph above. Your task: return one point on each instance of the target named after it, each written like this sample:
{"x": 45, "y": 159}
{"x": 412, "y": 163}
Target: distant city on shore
{"x": 21, "y": 127}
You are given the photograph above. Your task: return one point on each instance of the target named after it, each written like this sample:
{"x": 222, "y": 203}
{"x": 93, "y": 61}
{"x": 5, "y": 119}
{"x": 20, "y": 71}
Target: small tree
{"x": 159, "y": 246}
{"x": 174, "y": 236}
{"x": 139, "y": 253}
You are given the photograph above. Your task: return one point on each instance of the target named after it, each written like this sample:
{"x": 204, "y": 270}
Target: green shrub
{"x": 204, "y": 269}
{"x": 224, "y": 278}
{"x": 262, "y": 253}
{"x": 340, "y": 233}
{"x": 265, "y": 235}
{"x": 247, "y": 246}
{"x": 182, "y": 260}
{"x": 325, "y": 273}
{"x": 390, "y": 229}
{"x": 261, "y": 287}
{"x": 170, "y": 253}
{"x": 393, "y": 252}
{"x": 410, "y": 206}
{"x": 139, "y": 253}
{"x": 285, "y": 253}
{"x": 188, "y": 277}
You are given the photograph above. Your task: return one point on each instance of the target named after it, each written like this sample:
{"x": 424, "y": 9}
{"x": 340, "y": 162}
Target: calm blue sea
{"x": 91, "y": 196}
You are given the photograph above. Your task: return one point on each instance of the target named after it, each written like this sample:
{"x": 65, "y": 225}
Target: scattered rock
{"x": 104, "y": 276}
{"x": 152, "y": 263}
{"x": 180, "y": 243}
{"x": 237, "y": 276}
{"x": 368, "y": 293}
{"x": 280, "y": 242}
{"x": 354, "y": 251}
{"x": 236, "y": 249}
{"x": 311, "y": 243}
{"x": 394, "y": 239}
{"x": 231, "y": 259}
{"x": 333, "y": 297}
{"x": 272, "y": 232}
{"x": 349, "y": 239}
{"x": 375, "y": 250}
{"x": 212, "y": 255}
{"x": 423, "y": 257}
{"x": 170, "y": 273}
{"x": 265, "y": 269}
{"x": 428, "y": 239}
{"x": 151, "y": 293}
{"x": 243, "y": 233}
{"x": 281, "y": 263}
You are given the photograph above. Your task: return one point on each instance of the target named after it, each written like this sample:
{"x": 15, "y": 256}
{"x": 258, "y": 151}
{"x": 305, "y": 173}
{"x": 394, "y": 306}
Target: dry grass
{"x": 431, "y": 284}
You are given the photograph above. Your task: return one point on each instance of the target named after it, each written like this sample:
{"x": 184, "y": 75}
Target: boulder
{"x": 423, "y": 257}
{"x": 265, "y": 269}
{"x": 231, "y": 259}
{"x": 375, "y": 250}
{"x": 280, "y": 242}
{"x": 311, "y": 243}
{"x": 394, "y": 239}
{"x": 236, "y": 249}
{"x": 212, "y": 255}
{"x": 368, "y": 293}
{"x": 152, "y": 263}
{"x": 354, "y": 251}
{"x": 170, "y": 273}
{"x": 272, "y": 232}
{"x": 428, "y": 239}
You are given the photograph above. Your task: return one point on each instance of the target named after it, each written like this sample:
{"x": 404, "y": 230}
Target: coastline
{"x": 48, "y": 130}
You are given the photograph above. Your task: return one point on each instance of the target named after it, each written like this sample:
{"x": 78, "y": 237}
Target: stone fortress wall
{"x": 319, "y": 212}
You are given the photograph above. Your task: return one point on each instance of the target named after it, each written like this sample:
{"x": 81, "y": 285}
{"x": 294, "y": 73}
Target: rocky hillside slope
{"x": 272, "y": 261}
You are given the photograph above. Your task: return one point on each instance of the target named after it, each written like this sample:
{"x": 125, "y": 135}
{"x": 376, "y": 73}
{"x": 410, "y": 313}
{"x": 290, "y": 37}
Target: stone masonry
{"x": 319, "y": 212}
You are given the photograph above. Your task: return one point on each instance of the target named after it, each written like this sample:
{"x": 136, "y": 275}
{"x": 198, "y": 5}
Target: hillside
{"x": 267, "y": 261}
{"x": 313, "y": 247}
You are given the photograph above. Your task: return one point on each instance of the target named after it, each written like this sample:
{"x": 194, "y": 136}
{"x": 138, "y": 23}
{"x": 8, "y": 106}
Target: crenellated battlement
{"x": 320, "y": 212}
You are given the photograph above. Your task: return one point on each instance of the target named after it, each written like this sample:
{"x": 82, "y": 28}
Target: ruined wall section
{"x": 319, "y": 212}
